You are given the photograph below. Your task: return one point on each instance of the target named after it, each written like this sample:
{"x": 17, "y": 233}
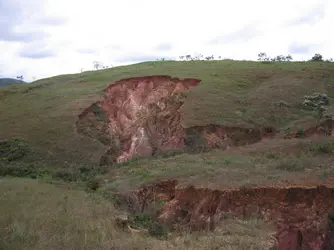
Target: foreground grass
{"x": 37, "y": 215}
{"x": 231, "y": 93}
{"x": 275, "y": 162}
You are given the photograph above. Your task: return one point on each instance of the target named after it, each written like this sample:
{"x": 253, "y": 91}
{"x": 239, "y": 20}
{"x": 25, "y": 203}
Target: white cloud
{"x": 77, "y": 32}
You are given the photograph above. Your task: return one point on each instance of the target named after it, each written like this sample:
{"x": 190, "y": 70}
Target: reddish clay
{"x": 140, "y": 117}
{"x": 300, "y": 213}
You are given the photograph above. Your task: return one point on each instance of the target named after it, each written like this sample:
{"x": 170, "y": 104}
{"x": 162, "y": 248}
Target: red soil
{"x": 140, "y": 117}
{"x": 300, "y": 213}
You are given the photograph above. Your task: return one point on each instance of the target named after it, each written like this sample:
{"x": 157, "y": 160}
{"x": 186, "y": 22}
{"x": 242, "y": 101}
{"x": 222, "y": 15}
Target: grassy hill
{"x": 9, "y": 81}
{"x": 37, "y": 215}
{"x": 231, "y": 93}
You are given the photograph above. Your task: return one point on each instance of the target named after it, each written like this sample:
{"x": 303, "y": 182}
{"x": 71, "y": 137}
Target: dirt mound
{"x": 140, "y": 117}
{"x": 303, "y": 215}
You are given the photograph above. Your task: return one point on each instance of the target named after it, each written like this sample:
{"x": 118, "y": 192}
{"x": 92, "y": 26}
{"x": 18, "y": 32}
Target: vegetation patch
{"x": 290, "y": 164}
{"x": 17, "y": 159}
{"x": 322, "y": 147}
{"x": 13, "y": 149}
{"x": 273, "y": 92}
{"x": 149, "y": 223}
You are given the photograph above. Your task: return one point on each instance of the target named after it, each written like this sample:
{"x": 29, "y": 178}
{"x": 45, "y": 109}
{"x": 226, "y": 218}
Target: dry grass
{"x": 37, "y": 215}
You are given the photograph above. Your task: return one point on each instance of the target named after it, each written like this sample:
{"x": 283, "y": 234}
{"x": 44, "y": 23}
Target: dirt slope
{"x": 141, "y": 117}
{"x": 301, "y": 214}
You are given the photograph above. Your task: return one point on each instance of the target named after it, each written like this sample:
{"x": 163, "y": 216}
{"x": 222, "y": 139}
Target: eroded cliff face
{"x": 300, "y": 213}
{"x": 140, "y": 117}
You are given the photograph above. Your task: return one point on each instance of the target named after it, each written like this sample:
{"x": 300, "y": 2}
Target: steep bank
{"x": 301, "y": 214}
{"x": 140, "y": 117}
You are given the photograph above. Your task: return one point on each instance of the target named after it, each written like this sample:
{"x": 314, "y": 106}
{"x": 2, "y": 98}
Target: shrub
{"x": 22, "y": 170}
{"x": 141, "y": 220}
{"x": 13, "y": 149}
{"x": 300, "y": 133}
{"x": 158, "y": 230}
{"x": 145, "y": 221}
{"x": 316, "y": 100}
{"x": 94, "y": 184}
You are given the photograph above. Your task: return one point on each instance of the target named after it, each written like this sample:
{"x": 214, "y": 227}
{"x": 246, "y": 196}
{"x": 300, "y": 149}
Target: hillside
{"x": 189, "y": 143}
{"x": 9, "y": 81}
{"x": 230, "y": 93}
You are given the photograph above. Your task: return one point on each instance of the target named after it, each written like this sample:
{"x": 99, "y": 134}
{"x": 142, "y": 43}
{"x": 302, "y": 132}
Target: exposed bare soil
{"x": 141, "y": 117}
{"x": 299, "y": 213}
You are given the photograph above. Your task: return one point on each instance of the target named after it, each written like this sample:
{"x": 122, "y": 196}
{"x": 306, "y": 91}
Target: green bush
{"x": 94, "y": 184}
{"x": 14, "y": 162}
{"x": 158, "y": 230}
{"x": 13, "y": 149}
{"x": 16, "y": 171}
{"x": 300, "y": 133}
{"x": 141, "y": 220}
{"x": 145, "y": 221}
{"x": 22, "y": 170}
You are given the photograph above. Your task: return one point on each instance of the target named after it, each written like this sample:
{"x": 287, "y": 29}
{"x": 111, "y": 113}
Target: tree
{"x": 280, "y": 58}
{"x": 97, "y": 65}
{"x": 262, "y": 56}
{"x": 181, "y": 57}
{"x": 288, "y": 58}
{"x": 188, "y": 57}
{"x": 198, "y": 57}
{"x": 209, "y": 57}
{"x": 317, "y": 58}
{"x": 20, "y": 78}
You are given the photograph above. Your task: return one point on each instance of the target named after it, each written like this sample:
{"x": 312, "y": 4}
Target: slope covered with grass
{"x": 231, "y": 93}
{"x": 55, "y": 210}
{"x": 37, "y": 215}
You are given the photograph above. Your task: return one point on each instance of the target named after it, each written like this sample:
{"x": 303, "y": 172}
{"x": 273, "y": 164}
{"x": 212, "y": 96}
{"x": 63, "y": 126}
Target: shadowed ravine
{"x": 303, "y": 215}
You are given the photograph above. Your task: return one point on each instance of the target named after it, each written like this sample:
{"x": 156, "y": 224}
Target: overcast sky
{"x": 42, "y": 38}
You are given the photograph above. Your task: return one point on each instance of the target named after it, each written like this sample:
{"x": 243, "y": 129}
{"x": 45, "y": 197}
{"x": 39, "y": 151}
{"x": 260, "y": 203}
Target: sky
{"x": 44, "y": 38}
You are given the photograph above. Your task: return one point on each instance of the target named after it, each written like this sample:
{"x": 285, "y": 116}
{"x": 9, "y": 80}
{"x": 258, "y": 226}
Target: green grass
{"x": 231, "y": 93}
{"x": 276, "y": 162}
{"x": 46, "y": 213}
{"x": 36, "y": 215}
